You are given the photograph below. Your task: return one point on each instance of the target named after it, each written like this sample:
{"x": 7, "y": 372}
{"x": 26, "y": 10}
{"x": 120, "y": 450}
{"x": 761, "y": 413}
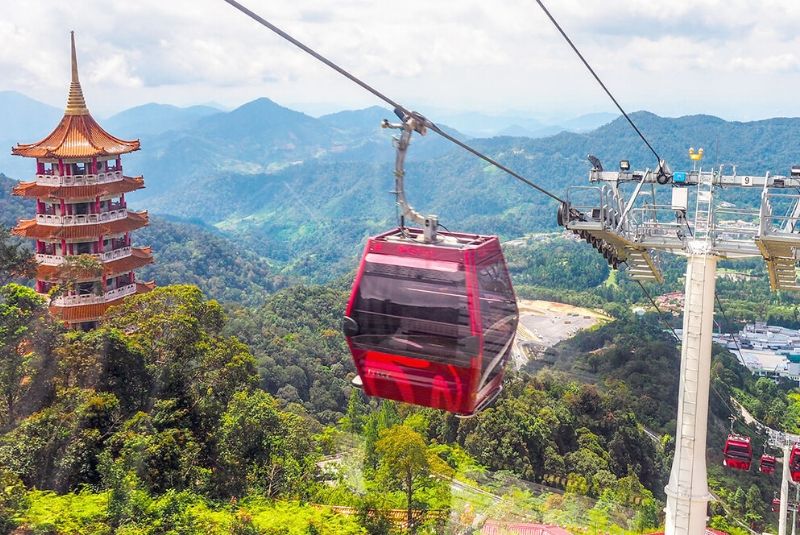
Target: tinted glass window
{"x": 498, "y": 317}
{"x": 414, "y": 312}
{"x": 738, "y": 451}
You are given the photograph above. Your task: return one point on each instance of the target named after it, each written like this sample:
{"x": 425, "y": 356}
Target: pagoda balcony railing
{"x": 78, "y": 180}
{"x": 81, "y": 219}
{"x": 92, "y": 299}
{"x": 113, "y": 255}
{"x": 57, "y": 260}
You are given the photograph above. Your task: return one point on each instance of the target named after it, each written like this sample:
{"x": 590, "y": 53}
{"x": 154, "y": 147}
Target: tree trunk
{"x": 409, "y": 498}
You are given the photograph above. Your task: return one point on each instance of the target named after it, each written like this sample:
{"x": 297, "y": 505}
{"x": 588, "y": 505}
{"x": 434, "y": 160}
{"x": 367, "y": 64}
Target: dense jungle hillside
{"x": 305, "y": 192}
{"x": 221, "y": 402}
{"x": 158, "y": 419}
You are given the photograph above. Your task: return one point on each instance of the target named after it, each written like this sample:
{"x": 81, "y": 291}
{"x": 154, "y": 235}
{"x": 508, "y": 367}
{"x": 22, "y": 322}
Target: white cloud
{"x": 113, "y": 69}
{"x": 670, "y": 56}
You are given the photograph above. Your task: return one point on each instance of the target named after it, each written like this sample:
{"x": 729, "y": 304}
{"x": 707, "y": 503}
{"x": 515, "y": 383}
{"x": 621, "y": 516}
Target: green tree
{"x": 739, "y": 500}
{"x": 354, "y": 417}
{"x": 155, "y": 452}
{"x": 16, "y": 261}
{"x": 188, "y": 358}
{"x": 76, "y": 269}
{"x": 754, "y": 505}
{"x": 262, "y": 449}
{"x": 20, "y": 310}
{"x": 403, "y": 465}
{"x": 12, "y": 499}
{"x": 59, "y": 446}
{"x": 371, "y": 437}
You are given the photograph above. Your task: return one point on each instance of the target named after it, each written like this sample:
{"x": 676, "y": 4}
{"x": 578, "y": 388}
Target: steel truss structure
{"x": 696, "y": 225}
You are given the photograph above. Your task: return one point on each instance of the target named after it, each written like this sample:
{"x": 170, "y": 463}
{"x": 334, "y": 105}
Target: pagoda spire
{"x": 76, "y": 105}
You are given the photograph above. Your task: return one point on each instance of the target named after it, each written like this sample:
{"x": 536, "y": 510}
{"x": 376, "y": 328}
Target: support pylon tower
{"x": 630, "y": 232}
{"x": 687, "y": 490}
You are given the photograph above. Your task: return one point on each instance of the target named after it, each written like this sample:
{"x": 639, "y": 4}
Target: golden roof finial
{"x": 76, "y": 105}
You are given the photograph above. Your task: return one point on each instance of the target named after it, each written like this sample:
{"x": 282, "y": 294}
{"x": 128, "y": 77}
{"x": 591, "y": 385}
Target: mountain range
{"x": 304, "y": 192}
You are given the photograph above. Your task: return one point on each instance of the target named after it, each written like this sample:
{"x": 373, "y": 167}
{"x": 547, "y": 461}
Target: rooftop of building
{"x": 78, "y": 135}
{"x": 35, "y": 190}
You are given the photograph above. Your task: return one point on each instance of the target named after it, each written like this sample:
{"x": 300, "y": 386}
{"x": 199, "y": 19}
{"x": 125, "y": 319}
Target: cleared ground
{"x": 544, "y": 323}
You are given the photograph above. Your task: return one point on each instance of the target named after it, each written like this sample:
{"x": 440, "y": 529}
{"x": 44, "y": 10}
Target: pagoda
{"x": 82, "y": 226}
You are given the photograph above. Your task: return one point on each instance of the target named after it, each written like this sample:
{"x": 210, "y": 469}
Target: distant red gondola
{"x": 794, "y": 463}
{"x": 432, "y": 324}
{"x": 776, "y": 505}
{"x": 738, "y": 453}
{"x": 767, "y": 464}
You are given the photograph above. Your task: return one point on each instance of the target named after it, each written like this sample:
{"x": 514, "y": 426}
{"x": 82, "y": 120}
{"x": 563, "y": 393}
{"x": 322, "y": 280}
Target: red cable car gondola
{"x": 738, "y": 453}
{"x": 767, "y": 464}
{"x": 432, "y": 324}
{"x": 432, "y": 316}
{"x": 794, "y": 463}
{"x": 776, "y": 505}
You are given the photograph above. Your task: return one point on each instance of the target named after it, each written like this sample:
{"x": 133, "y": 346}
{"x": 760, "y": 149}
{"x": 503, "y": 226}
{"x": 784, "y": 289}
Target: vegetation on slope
{"x": 159, "y": 410}
{"x": 162, "y": 400}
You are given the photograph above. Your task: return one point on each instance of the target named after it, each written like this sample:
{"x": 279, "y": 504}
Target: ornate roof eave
{"x": 139, "y": 257}
{"x": 78, "y": 135}
{"x": 93, "y": 312}
{"x": 29, "y": 228}
{"x": 39, "y": 191}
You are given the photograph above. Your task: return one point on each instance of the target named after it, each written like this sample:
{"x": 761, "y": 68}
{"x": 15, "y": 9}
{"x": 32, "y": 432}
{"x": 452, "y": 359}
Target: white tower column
{"x": 687, "y": 490}
{"x": 784, "y": 509}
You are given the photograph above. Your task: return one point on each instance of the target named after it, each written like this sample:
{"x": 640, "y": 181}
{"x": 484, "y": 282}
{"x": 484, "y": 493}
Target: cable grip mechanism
{"x": 412, "y": 122}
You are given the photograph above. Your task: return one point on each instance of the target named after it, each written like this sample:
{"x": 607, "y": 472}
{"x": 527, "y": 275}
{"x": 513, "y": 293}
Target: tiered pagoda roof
{"x": 40, "y": 191}
{"x": 94, "y": 312}
{"x": 77, "y": 135}
{"x": 139, "y": 257}
{"x": 30, "y": 228}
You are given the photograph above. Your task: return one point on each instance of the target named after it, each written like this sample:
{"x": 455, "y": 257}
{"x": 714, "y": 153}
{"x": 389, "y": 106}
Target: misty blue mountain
{"x": 303, "y": 193}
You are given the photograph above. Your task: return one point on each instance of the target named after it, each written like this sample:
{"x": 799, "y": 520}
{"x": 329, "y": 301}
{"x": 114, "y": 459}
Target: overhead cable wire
{"x": 660, "y": 315}
{"x": 599, "y": 81}
{"x": 733, "y": 335}
{"x": 305, "y": 48}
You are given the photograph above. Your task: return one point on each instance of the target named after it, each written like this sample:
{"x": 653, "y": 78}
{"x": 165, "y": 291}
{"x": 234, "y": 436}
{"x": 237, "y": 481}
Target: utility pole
{"x": 632, "y": 230}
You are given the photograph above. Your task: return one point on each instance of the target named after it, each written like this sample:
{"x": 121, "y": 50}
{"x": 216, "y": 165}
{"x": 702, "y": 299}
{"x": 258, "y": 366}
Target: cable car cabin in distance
{"x": 738, "y": 453}
{"x": 767, "y": 464}
{"x": 432, "y": 324}
{"x": 794, "y": 463}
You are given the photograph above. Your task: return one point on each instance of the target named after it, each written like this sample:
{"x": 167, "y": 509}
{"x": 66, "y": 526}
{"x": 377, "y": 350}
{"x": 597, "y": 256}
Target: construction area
{"x": 543, "y": 324}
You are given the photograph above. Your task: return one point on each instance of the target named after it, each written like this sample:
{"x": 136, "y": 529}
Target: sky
{"x": 736, "y": 59}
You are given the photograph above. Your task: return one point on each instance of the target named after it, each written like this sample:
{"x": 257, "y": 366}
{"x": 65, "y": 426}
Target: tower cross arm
{"x": 691, "y": 178}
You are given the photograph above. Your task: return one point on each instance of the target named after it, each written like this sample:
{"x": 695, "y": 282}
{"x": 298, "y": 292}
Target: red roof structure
{"x": 77, "y": 135}
{"x": 30, "y": 228}
{"x": 139, "y": 257}
{"x": 94, "y": 312}
{"x": 90, "y": 191}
